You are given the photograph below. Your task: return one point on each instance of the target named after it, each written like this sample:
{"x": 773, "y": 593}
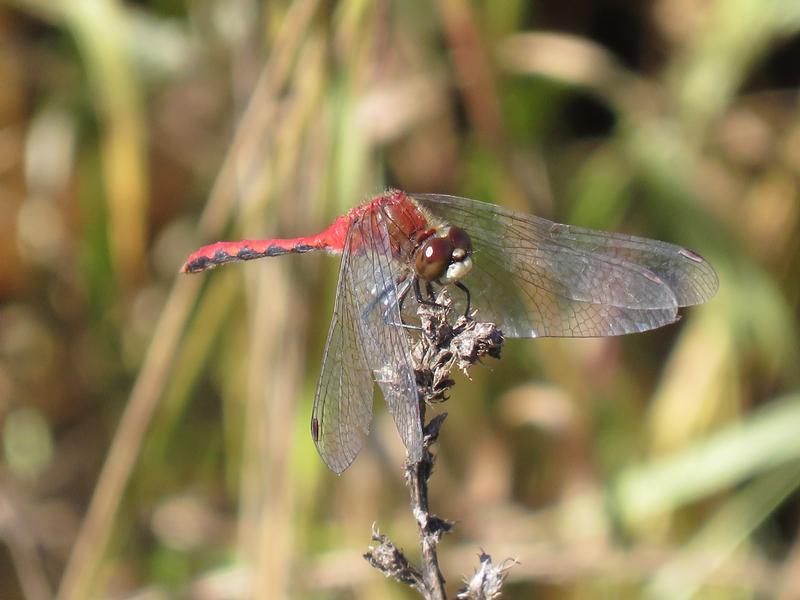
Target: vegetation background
{"x": 154, "y": 427}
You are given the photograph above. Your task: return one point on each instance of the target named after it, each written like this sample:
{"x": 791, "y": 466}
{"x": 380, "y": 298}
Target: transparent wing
{"x": 342, "y": 410}
{"x": 538, "y": 278}
{"x": 375, "y": 273}
{"x": 366, "y": 343}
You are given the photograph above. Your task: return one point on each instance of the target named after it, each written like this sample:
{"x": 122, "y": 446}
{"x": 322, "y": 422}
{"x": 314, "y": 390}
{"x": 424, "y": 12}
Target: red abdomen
{"x": 405, "y": 223}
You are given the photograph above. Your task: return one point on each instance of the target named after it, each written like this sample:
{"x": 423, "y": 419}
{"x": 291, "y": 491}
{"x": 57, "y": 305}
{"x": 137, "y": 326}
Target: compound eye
{"x": 460, "y": 240}
{"x": 433, "y": 258}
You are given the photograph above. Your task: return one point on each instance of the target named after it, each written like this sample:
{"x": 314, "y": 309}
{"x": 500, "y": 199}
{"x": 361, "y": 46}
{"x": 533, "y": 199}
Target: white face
{"x": 457, "y": 270}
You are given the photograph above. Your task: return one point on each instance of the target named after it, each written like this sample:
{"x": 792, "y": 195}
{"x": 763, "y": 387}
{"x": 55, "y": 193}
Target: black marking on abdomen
{"x": 220, "y": 256}
{"x": 247, "y": 254}
{"x": 314, "y": 429}
{"x": 278, "y": 251}
{"x": 199, "y": 264}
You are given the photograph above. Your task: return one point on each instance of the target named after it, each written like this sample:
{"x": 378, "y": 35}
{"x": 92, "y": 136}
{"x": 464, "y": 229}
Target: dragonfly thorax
{"x": 445, "y": 258}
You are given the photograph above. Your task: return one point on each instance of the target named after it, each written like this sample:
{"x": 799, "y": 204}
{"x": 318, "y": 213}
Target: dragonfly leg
{"x": 401, "y": 283}
{"x": 465, "y": 289}
{"x": 402, "y": 297}
{"x": 428, "y": 289}
{"x": 431, "y": 294}
{"x": 404, "y": 286}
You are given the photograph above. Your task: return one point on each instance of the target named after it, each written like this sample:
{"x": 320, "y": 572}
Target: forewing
{"x": 538, "y": 278}
{"x": 366, "y": 343}
{"x": 343, "y": 404}
{"x": 375, "y": 273}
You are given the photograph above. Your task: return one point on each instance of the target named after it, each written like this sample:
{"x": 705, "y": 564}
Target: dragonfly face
{"x": 444, "y": 259}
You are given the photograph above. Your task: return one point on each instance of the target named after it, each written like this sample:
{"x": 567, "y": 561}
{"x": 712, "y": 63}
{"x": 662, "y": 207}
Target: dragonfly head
{"x": 445, "y": 259}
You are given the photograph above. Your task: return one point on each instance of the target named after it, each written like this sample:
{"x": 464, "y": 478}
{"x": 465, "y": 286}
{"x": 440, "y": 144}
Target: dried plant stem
{"x": 430, "y": 527}
{"x": 441, "y": 346}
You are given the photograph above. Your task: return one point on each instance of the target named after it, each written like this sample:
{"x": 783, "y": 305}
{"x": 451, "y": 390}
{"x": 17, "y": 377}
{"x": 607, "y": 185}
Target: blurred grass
{"x": 662, "y": 465}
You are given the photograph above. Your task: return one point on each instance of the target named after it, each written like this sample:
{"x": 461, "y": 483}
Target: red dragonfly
{"x": 530, "y": 276}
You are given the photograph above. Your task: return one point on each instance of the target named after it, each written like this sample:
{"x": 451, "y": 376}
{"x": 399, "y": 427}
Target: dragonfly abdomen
{"x": 220, "y": 253}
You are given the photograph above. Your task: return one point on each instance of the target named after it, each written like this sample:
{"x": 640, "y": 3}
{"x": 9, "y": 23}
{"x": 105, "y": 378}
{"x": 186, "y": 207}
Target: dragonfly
{"x": 530, "y": 276}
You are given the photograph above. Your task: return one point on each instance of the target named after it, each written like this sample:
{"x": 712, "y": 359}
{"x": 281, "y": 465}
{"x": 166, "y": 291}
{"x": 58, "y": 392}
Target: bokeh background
{"x": 154, "y": 427}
